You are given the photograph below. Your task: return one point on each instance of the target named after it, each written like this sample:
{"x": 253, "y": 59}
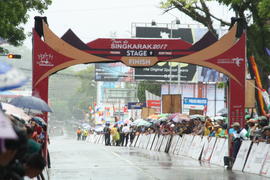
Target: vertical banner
{"x": 178, "y": 145}
{"x": 241, "y": 156}
{"x": 208, "y": 149}
{"x": 266, "y": 165}
{"x": 199, "y": 148}
{"x": 218, "y": 155}
{"x": 256, "y": 158}
{"x": 173, "y": 144}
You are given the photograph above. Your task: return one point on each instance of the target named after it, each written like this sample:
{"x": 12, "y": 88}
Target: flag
{"x": 265, "y": 96}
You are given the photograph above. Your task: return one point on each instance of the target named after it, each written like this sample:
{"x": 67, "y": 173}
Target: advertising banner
{"x": 159, "y": 32}
{"x": 190, "y": 103}
{"x": 136, "y": 105}
{"x": 155, "y": 104}
{"x": 195, "y": 101}
{"x": 162, "y": 71}
{"x": 208, "y": 149}
{"x": 266, "y": 165}
{"x": 241, "y": 156}
{"x": 178, "y": 146}
{"x": 173, "y": 144}
{"x": 256, "y": 158}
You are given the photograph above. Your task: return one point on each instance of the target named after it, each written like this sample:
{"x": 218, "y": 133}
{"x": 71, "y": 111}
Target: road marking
{"x": 132, "y": 164}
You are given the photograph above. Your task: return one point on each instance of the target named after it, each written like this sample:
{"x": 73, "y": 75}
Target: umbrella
{"x": 180, "y": 118}
{"x": 144, "y": 123}
{"x": 15, "y": 111}
{"x": 155, "y": 121}
{"x": 223, "y": 112}
{"x": 31, "y": 102}
{"x": 98, "y": 128}
{"x": 163, "y": 119}
{"x": 10, "y": 77}
{"x": 86, "y": 126}
{"x": 173, "y": 116}
{"x": 6, "y": 128}
{"x": 127, "y": 121}
{"x": 195, "y": 116}
{"x": 39, "y": 121}
{"x": 216, "y": 118}
{"x": 163, "y": 115}
{"x": 120, "y": 122}
{"x": 141, "y": 122}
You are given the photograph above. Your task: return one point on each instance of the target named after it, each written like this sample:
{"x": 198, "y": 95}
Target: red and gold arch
{"x": 228, "y": 55}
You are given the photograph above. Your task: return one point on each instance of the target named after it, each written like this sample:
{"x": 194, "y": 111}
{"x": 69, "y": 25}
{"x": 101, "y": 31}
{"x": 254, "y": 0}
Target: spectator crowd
{"x": 23, "y": 156}
{"x": 256, "y": 129}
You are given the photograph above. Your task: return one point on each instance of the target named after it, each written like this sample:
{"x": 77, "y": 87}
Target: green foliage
{"x": 13, "y": 14}
{"x": 62, "y": 86}
{"x": 264, "y": 9}
{"x": 256, "y": 14}
{"x": 71, "y": 93}
{"x": 154, "y": 88}
{"x": 221, "y": 85}
{"x": 87, "y": 91}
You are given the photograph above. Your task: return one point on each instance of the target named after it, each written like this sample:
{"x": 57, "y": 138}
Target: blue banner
{"x": 195, "y": 101}
{"x": 136, "y": 105}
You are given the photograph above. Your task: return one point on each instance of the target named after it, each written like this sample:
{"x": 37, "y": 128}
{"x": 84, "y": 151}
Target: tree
{"x": 71, "y": 93}
{"x": 256, "y": 16}
{"x": 13, "y": 14}
{"x": 87, "y": 91}
{"x": 62, "y": 86}
{"x": 154, "y": 88}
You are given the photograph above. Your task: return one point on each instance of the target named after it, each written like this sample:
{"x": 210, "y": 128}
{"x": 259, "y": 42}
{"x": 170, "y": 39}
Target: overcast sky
{"x": 92, "y": 19}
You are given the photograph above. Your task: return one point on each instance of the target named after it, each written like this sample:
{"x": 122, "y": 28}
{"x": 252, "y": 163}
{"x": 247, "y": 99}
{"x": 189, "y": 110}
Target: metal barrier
{"x": 251, "y": 158}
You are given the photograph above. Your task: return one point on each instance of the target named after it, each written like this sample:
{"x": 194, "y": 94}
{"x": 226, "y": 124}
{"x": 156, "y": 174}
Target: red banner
{"x": 153, "y": 103}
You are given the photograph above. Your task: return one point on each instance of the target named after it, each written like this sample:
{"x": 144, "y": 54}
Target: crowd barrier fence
{"x": 252, "y": 157}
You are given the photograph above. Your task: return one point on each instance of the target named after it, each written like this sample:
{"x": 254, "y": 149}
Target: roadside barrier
{"x": 256, "y": 158}
{"x": 251, "y": 158}
{"x": 241, "y": 156}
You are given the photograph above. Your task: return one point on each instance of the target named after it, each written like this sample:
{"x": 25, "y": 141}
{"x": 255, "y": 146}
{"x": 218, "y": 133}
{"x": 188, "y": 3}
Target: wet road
{"x": 79, "y": 160}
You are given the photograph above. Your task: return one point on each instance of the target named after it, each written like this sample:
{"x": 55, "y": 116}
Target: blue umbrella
{"x": 31, "y": 102}
{"x": 39, "y": 121}
{"x": 10, "y": 77}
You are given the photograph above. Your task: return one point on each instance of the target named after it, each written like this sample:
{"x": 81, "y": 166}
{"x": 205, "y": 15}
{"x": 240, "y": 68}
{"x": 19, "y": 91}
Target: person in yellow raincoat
{"x": 115, "y": 135}
{"x": 84, "y": 134}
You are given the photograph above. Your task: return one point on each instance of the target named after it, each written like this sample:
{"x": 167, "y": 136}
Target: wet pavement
{"x": 79, "y": 160}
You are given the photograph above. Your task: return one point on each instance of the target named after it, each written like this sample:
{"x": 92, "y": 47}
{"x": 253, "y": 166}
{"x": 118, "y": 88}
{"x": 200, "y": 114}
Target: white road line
{"x": 133, "y": 165}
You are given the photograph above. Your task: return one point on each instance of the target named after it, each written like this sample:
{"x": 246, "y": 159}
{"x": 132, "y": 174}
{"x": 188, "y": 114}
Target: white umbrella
{"x": 6, "y": 130}
{"x": 15, "y": 111}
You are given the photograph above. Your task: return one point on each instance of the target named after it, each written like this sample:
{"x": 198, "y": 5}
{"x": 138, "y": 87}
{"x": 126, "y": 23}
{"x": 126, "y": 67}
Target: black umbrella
{"x": 223, "y": 112}
{"x": 31, "y": 102}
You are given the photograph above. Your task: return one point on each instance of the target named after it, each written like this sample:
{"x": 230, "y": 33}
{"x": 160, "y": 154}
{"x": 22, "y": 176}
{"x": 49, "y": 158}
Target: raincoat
{"x": 115, "y": 134}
